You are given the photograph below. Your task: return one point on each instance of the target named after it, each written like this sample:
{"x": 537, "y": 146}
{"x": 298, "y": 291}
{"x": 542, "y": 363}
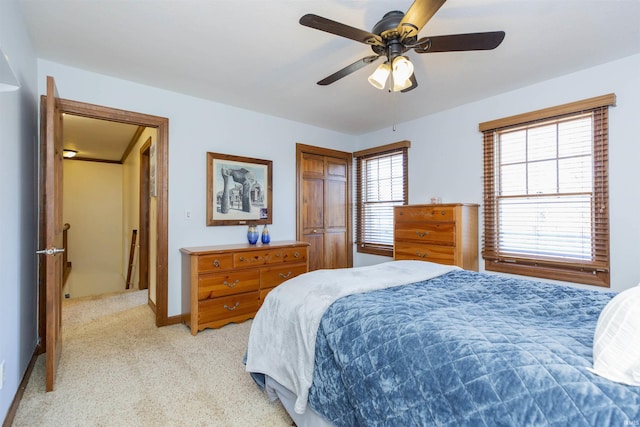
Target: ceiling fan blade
{"x": 460, "y": 42}
{"x": 360, "y": 63}
{"x": 420, "y": 12}
{"x": 333, "y": 27}
{"x": 414, "y": 84}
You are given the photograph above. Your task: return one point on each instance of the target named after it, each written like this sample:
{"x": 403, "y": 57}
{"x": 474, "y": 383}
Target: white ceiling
{"x": 97, "y": 139}
{"x": 255, "y": 55}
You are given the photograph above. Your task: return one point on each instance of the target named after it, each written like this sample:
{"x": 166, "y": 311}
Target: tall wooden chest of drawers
{"x": 443, "y": 233}
{"x": 227, "y": 283}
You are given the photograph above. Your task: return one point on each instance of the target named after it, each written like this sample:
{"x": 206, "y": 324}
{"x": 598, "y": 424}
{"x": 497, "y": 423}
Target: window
{"x": 381, "y": 184}
{"x": 546, "y": 193}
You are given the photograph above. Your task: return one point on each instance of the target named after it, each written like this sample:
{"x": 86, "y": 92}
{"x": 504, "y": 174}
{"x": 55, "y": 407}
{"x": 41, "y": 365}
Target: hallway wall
{"x": 93, "y": 206}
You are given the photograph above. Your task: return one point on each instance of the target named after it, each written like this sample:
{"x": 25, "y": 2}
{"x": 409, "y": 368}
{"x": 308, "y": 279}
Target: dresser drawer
{"x": 424, "y": 213}
{"x": 263, "y": 294}
{"x": 238, "y": 305}
{"x": 294, "y": 254}
{"x": 214, "y": 262}
{"x": 428, "y": 232}
{"x": 433, "y": 253}
{"x": 234, "y": 282}
{"x": 272, "y": 276}
{"x": 254, "y": 258}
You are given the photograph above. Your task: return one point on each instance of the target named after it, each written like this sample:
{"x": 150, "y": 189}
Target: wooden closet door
{"x": 323, "y": 205}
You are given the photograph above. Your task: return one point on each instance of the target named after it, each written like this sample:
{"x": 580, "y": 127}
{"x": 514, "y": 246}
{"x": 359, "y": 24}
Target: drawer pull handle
{"x": 285, "y": 276}
{"x": 296, "y": 254}
{"x": 232, "y": 308}
{"x": 241, "y": 259}
{"x": 422, "y": 233}
{"x": 231, "y": 284}
{"x": 278, "y": 255}
{"x": 216, "y": 263}
{"x": 426, "y": 254}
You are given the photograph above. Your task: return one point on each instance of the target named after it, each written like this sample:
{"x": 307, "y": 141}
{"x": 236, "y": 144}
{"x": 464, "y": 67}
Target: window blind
{"x": 546, "y": 197}
{"x": 381, "y": 184}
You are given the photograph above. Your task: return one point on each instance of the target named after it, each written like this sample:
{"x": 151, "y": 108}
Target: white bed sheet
{"x": 310, "y": 418}
{"x": 283, "y": 332}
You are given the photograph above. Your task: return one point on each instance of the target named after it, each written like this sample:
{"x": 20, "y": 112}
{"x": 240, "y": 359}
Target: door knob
{"x": 50, "y": 251}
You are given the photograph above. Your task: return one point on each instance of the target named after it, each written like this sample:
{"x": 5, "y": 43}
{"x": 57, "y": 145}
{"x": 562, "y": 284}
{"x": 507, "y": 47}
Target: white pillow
{"x": 616, "y": 344}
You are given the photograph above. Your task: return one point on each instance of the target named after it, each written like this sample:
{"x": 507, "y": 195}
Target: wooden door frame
{"x": 143, "y": 220}
{"x": 161, "y": 124}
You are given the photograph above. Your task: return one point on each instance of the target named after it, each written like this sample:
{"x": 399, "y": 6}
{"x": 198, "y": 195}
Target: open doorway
{"x": 160, "y": 250}
{"x": 101, "y": 199}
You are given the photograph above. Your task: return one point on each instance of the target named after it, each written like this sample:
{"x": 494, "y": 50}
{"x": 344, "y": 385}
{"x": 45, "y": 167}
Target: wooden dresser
{"x": 227, "y": 283}
{"x": 444, "y": 233}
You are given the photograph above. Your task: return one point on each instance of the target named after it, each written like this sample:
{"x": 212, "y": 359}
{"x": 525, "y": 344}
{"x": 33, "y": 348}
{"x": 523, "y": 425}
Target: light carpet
{"x": 118, "y": 369}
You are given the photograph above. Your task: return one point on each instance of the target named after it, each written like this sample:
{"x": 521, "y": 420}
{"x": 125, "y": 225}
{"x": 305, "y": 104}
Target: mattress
{"x": 463, "y": 348}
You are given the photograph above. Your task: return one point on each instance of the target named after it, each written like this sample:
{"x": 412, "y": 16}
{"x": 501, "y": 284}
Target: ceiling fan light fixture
{"x": 378, "y": 78}
{"x": 402, "y": 69}
{"x": 396, "y": 33}
{"x": 399, "y": 85}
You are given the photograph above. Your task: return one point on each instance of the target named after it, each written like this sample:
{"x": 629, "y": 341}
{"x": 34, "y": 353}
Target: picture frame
{"x": 239, "y": 190}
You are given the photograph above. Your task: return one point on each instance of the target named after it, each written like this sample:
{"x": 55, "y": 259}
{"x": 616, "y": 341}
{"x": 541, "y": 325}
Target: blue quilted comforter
{"x": 466, "y": 349}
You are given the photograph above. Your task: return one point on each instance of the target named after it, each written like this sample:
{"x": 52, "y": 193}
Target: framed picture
{"x": 238, "y": 190}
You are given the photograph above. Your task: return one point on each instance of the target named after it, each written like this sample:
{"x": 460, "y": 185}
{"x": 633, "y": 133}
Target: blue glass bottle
{"x": 265, "y": 235}
{"x": 252, "y": 234}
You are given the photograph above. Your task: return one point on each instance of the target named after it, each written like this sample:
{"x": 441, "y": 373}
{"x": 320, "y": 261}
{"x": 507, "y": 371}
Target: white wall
{"x": 195, "y": 127}
{"x": 18, "y": 205}
{"x": 93, "y": 206}
{"x": 445, "y": 158}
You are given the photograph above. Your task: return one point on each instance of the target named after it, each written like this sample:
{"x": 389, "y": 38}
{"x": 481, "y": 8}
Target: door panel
{"x": 312, "y": 165}
{"x": 335, "y": 196}
{"x": 336, "y": 168}
{"x": 316, "y": 250}
{"x": 51, "y": 229}
{"x": 312, "y": 202}
{"x": 335, "y": 247}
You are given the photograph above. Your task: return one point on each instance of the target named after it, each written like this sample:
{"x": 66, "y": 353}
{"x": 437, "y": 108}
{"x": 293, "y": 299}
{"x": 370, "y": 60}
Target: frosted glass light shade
{"x": 401, "y": 85}
{"x": 379, "y": 77}
{"x": 402, "y": 69}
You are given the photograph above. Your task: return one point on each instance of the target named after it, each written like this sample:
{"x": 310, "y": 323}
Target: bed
{"x": 415, "y": 343}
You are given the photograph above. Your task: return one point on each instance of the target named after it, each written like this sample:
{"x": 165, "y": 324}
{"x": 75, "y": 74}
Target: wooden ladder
{"x": 132, "y": 252}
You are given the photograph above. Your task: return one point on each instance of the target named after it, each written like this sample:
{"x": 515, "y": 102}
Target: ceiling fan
{"x": 395, "y": 34}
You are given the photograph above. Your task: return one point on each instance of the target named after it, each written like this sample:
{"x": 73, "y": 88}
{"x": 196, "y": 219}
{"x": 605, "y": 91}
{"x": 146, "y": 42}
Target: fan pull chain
{"x": 394, "y": 106}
